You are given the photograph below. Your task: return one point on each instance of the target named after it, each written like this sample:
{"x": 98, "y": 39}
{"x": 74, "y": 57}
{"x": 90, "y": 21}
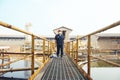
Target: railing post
{"x": 77, "y": 51}
{"x": 89, "y": 53}
{"x": 48, "y": 48}
{"x": 2, "y": 60}
{"x": 32, "y": 65}
{"x": 53, "y": 47}
{"x": 72, "y": 51}
{"x": 43, "y": 50}
{"x": 68, "y": 48}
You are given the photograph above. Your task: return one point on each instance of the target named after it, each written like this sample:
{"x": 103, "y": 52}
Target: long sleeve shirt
{"x": 59, "y": 39}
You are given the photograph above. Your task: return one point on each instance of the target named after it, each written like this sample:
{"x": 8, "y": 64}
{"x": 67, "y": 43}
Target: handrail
{"x": 19, "y": 30}
{"x": 17, "y": 69}
{"x": 14, "y": 61}
{"x": 110, "y": 62}
{"x": 103, "y": 29}
{"x": 33, "y": 36}
{"x": 14, "y": 28}
{"x": 74, "y": 47}
{"x": 75, "y": 50}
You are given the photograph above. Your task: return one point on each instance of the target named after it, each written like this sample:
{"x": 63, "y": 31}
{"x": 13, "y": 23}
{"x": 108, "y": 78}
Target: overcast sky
{"x": 82, "y": 16}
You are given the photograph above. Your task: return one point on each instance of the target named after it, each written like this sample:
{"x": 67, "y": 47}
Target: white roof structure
{"x": 108, "y": 35}
{"x": 65, "y": 31}
{"x": 62, "y": 29}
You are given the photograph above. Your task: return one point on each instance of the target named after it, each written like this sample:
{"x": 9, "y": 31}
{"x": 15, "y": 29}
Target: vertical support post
{"x": 77, "y": 51}
{"x": 53, "y": 47}
{"x": 89, "y": 53}
{"x": 68, "y": 48}
{"x": 3, "y": 60}
{"x": 32, "y": 65}
{"x": 43, "y": 50}
{"x": 72, "y": 51}
{"x": 48, "y": 48}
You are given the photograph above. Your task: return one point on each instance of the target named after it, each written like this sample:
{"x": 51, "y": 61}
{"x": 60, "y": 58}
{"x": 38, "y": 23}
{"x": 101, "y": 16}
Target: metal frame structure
{"x": 74, "y": 45}
{"x": 33, "y": 36}
{"x": 89, "y": 43}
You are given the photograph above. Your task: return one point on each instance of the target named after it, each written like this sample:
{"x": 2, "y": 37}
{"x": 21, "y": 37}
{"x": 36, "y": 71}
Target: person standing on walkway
{"x": 59, "y": 38}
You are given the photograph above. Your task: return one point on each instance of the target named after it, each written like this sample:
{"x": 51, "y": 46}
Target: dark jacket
{"x": 59, "y": 39}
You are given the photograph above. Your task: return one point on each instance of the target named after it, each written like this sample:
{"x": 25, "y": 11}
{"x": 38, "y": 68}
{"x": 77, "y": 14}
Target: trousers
{"x": 59, "y": 49}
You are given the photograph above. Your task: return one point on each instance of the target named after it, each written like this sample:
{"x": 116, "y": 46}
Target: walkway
{"x": 62, "y": 69}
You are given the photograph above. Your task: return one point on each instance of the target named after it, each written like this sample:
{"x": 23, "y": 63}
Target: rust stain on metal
{"x": 9, "y": 26}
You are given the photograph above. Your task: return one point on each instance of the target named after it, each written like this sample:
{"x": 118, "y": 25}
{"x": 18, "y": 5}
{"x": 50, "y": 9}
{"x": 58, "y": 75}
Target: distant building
{"x": 65, "y": 31}
{"x": 109, "y": 41}
{"x": 13, "y": 41}
{"x": 99, "y": 41}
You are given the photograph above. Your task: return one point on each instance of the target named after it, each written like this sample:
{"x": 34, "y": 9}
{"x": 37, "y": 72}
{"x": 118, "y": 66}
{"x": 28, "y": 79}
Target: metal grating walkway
{"x": 62, "y": 69}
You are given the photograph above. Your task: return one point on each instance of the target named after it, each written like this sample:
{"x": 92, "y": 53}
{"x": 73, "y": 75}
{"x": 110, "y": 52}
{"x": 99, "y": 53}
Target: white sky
{"x": 83, "y": 16}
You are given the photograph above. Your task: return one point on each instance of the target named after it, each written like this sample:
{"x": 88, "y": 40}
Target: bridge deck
{"x": 62, "y": 69}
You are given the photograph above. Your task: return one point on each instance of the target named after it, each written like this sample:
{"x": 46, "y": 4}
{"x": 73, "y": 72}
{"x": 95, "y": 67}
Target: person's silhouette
{"x": 59, "y": 42}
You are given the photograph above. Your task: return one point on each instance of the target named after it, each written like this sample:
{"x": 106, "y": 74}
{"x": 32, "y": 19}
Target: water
{"x": 19, "y": 74}
{"x": 98, "y": 72}
{"x": 103, "y": 71}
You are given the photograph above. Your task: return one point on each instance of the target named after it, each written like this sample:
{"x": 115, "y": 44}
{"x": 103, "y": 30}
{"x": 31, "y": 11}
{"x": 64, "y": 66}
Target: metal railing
{"x": 32, "y": 54}
{"x": 73, "y": 51}
{"x": 72, "y": 48}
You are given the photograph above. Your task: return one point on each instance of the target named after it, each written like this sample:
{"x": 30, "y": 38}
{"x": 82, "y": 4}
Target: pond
{"x": 103, "y": 71}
